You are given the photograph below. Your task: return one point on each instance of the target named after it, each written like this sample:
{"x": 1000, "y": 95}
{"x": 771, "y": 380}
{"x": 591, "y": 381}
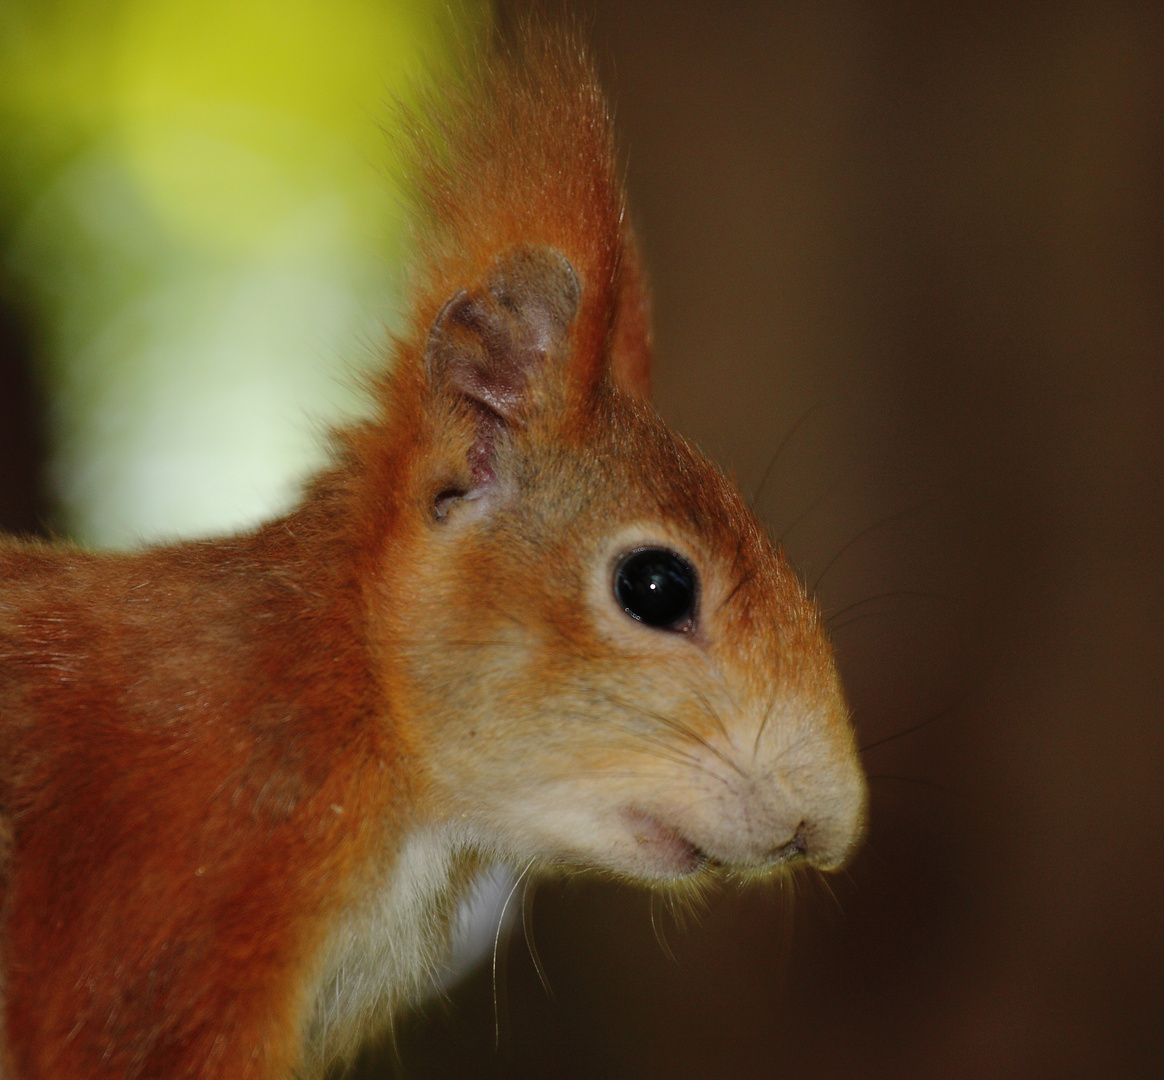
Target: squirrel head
{"x": 594, "y": 655}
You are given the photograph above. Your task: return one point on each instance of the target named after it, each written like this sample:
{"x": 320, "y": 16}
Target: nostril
{"x": 794, "y": 850}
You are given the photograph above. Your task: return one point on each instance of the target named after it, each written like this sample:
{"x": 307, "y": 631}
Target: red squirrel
{"x": 245, "y": 782}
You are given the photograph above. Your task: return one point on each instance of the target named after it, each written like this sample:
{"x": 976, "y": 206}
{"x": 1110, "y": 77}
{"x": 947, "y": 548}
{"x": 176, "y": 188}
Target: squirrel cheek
{"x": 658, "y": 794}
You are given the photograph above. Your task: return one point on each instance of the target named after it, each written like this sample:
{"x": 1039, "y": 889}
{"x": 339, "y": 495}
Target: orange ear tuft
{"x": 632, "y": 339}
{"x": 519, "y": 155}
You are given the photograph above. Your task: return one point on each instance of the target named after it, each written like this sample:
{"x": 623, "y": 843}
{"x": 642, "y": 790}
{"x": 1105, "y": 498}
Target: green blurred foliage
{"x": 197, "y": 212}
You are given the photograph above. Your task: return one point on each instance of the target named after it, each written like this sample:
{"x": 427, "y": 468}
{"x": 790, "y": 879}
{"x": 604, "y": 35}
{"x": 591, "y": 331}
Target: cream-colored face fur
{"x": 561, "y": 730}
{"x": 546, "y": 723}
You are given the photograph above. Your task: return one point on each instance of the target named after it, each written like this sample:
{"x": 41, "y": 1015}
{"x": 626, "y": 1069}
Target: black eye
{"x": 657, "y": 587}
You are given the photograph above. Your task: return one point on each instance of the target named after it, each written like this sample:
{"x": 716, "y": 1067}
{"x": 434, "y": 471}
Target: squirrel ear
{"x": 485, "y": 344}
{"x": 488, "y": 344}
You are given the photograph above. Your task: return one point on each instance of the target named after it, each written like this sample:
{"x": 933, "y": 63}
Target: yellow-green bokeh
{"x": 197, "y": 212}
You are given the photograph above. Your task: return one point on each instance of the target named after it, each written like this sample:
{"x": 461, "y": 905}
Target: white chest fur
{"x": 390, "y": 947}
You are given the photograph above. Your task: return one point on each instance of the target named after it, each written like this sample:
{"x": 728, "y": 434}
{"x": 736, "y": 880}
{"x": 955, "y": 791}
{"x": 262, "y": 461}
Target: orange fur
{"x": 236, "y": 773}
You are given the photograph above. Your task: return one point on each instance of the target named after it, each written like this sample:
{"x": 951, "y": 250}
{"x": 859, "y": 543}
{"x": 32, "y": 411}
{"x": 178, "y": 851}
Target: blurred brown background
{"x": 923, "y": 244}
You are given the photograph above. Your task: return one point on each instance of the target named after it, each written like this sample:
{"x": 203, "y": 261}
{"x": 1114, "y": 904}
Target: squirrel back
{"x": 245, "y": 782}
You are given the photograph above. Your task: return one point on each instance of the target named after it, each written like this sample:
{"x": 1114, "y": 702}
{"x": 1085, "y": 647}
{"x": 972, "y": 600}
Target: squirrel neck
{"x": 390, "y": 947}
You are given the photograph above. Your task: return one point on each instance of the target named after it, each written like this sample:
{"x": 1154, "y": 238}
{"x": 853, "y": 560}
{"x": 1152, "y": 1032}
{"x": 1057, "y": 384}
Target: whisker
{"x": 496, "y": 949}
{"x": 764, "y": 722}
{"x": 660, "y": 937}
{"x": 915, "y": 727}
{"x": 861, "y": 618}
{"x": 861, "y": 536}
{"x": 689, "y": 904}
{"x": 666, "y": 752}
{"x": 494, "y": 607}
{"x": 676, "y": 726}
{"x": 895, "y": 594}
{"x": 791, "y": 750}
{"x": 812, "y": 506}
{"x": 824, "y": 881}
{"x": 710, "y": 709}
{"x": 634, "y": 708}
{"x": 682, "y": 729}
{"x": 527, "y": 895}
{"x": 814, "y": 407}
{"x": 744, "y": 579}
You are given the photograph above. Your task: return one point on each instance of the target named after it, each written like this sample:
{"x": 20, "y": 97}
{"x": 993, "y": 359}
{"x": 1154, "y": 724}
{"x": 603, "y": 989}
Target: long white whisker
{"x": 526, "y": 904}
{"x": 496, "y": 947}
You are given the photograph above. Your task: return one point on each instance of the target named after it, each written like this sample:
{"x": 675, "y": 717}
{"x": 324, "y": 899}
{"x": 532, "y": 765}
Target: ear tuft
{"x": 631, "y": 340}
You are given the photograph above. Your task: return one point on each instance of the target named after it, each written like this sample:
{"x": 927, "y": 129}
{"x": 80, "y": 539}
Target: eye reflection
{"x": 655, "y": 586}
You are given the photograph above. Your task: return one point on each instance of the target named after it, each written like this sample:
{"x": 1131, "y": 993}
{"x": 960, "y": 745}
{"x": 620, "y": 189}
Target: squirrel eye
{"x": 655, "y": 586}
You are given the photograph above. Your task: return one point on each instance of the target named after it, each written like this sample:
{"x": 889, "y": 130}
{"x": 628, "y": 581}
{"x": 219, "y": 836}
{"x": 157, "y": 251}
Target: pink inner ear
{"x": 479, "y": 356}
{"x": 490, "y": 346}
{"x": 489, "y": 426}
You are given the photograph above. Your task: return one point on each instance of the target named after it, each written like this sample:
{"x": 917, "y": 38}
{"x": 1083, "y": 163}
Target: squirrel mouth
{"x": 667, "y": 849}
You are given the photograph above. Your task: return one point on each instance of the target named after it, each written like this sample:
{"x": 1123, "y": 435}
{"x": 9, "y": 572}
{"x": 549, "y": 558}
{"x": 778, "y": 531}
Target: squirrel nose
{"x": 767, "y": 828}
